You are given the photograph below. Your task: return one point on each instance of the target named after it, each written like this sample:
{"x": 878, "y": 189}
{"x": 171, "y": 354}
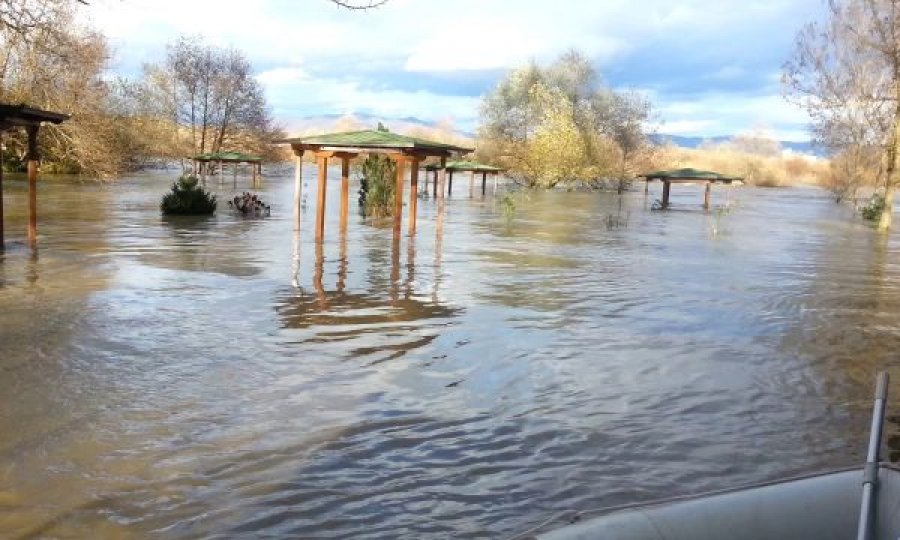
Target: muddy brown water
{"x": 183, "y": 378}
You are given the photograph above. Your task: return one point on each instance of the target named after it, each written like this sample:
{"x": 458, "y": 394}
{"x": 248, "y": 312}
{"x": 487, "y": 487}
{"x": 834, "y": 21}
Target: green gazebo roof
{"x": 688, "y": 174}
{"x": 466, "y": 166}
{"x": 231, "y": 157}
{"x": 373, "y": 139}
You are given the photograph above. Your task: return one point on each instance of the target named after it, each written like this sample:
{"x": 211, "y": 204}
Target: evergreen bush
{"x": 187, "y": 199}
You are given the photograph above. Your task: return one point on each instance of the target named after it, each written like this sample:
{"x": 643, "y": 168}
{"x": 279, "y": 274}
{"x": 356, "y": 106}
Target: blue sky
{"x": 710, "y": 68}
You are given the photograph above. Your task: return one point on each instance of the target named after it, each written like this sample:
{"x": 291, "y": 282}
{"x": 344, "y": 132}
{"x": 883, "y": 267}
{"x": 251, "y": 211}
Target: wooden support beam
{"x": 450, "y": 183}
{"x": 1, "y": 194}
{"x": 398, "y": 198}
{"x": 345, "y": 193}
{"x": 665, "y": 196}
{"x": 706, "y": 196}
{"x": 443, "y": 176}
{"x": 496, "y": 178}
{"x": 32, "y": 157}
{"x": 298, "y": 187}
{"x": 483, "y": 183}
{"x": 322, "y": 164}
{"x": 413, "y": 194}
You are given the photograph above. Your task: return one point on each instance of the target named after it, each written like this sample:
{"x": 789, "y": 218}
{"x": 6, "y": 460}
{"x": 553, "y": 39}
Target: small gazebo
{"x": 686, "y": 176}
{"x": 404, "y": 150}
{"x": 201, "y": 164}
{"x": 471, "y": 167}
{"x": 15, "y": 116}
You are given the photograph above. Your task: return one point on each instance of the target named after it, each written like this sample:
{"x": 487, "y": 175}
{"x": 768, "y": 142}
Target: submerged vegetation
{"x": 376, "y": 186}
{"x": 187, "y": 198}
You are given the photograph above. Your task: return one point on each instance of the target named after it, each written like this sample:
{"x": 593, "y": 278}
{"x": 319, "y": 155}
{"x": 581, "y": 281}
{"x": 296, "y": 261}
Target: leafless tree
{"x": 846, "y": 73}
{"x": 360, "y": 5}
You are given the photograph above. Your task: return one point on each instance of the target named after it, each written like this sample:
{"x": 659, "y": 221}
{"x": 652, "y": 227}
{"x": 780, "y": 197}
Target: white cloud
{"x": 447, "y": 50}
{"x": 281, "y": 76}
{"x": 314, "y": 57}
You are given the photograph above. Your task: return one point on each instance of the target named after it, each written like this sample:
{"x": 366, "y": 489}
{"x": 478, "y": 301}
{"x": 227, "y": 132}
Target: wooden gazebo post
{"x": 706, "y": 196}
{"x": 2, "y": 245}
{"x": 665, "y": 193}
{"x": 298, "y": 185}
{"x": 32, "y": 157}
{"x": 443, "y": 175}
{"x": 483, "y": 183}
{"x": 345, "y": 191}
{"x": 413, "y": 193}
{"x": 398, "y": 196}
{"x": 450, "y": 182}
{"x": 322, "y": 164}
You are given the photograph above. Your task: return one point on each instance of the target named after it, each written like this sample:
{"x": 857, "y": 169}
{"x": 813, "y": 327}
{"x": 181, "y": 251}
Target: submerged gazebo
{"x": 15, "y": 116}
{"x": 471, "y": 167}
{"x": 345, "y": 146}
{"x": 686, "y": 176}
{"x": 201, "y": 162}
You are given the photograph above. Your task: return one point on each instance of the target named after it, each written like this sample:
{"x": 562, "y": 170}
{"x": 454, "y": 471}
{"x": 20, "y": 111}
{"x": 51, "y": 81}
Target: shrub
{"x": 376, "y": 186}
{"x": 187, "y": 198}
{"x": 872, "y": 210}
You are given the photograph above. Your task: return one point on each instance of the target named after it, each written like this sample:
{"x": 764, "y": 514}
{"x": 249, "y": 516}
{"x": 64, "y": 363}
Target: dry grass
{"x": 759, "y": 170}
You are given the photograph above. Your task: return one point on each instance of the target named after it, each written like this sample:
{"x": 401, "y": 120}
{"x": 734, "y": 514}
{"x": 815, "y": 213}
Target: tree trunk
{"x": 890, "y": 182}
{"x": 884, "y": 223}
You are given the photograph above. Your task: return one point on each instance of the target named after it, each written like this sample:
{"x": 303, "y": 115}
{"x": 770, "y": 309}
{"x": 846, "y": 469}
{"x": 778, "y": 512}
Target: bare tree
{"x": 361, "y": 5}
{"x": 211, "y": 96}
{"x": 846, "y": 73}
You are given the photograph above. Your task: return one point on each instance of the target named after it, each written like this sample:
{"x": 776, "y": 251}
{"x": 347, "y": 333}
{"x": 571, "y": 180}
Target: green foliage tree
{"x": 188, "y": 198}
{"x": 555, "y": 124}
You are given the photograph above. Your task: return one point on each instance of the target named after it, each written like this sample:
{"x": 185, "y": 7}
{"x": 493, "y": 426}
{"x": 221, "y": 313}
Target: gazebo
{"x": 345, "y": 146}
{"x": 462, "y": 166}
{"x": 686, "y": 176}
{"x": 201, "y": 162}
{"x": 14, "y": 116}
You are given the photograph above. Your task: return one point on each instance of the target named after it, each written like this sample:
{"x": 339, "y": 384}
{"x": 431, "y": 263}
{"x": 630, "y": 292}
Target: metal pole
{"x": 870, "y": 472}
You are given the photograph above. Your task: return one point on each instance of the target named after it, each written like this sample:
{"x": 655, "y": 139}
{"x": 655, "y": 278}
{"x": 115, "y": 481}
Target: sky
{"x": 709, "y": 68}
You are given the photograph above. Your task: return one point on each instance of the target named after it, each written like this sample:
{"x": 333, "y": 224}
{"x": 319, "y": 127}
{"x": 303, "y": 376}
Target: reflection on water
{"x": 223, "y": 377}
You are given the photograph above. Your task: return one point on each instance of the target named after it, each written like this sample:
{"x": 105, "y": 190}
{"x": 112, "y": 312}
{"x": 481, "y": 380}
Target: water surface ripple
{"x": 184, "y": 378}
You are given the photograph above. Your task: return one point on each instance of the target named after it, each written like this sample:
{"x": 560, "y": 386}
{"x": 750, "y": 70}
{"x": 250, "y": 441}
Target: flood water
{"x": 183, "y": 378}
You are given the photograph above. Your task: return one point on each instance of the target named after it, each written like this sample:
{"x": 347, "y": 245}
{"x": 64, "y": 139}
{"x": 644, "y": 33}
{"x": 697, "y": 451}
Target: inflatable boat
{"x": 837, "y": 505}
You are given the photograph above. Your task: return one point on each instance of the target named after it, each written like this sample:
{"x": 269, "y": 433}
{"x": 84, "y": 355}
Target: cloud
{"x": 711, "y": 68}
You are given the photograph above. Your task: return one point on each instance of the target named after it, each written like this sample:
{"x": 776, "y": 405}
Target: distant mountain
{"x": 694, "y": 142}
{"x": 360, "y": 120}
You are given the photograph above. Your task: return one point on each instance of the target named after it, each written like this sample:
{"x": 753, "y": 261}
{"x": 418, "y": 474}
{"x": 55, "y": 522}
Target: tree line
{"x": 199, "y": 98}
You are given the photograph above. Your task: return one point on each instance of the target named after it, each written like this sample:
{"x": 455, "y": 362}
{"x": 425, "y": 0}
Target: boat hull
{"x": 820, "y": 507}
